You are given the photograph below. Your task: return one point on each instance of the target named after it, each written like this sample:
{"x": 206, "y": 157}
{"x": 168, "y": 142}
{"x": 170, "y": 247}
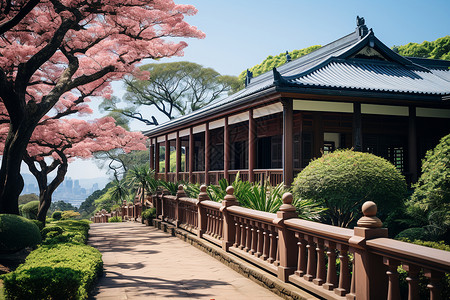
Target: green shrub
{"x": 54, "y": 230}
{"x": 17, "y": 233}
{"x": 69, "y": 214}
{"x": 115, "y": 219}
{"x": 57, "y": 215}
{"x": 412, "y": 234}
{"x": 30, "y": 210}
{"x": 54, "y": 238}
{"x": 430, "y": 202}
{"x": 39, "y": 224}
{"x": 343, "y": 180}
{"x": 149, "y": 214}
{"x": 77, "y": 227}
{"x": 20, "y": 209}
{"x": 61, "y": 271}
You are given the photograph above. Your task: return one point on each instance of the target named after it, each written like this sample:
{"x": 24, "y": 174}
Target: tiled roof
{"x": 335, "y": 67}
{"x": 376, "y": 76}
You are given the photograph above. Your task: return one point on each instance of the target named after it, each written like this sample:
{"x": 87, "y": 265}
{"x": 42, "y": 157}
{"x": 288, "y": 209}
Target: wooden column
{"x": 156, "y": 156}
{"x": 152, "y": 155}
{"x": 226, "y": 149}
{"x": 251, "y": 145}
{"x": 167, "y": 159}
{"x": 318, "y": 134}
{"x": 191, "y": 155}
{"x": 300, "y": 133}
{"x": 178, "y": 156}
{"x": 207, "y": 146}
{"x": 288, "y": 124}
{"x": 357, "y": 127}
{"x": 412, "y": 144}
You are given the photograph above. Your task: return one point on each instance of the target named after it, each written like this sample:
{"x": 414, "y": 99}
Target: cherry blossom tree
{"x": 64, "y": 51}
{"x": 55, "y": 143}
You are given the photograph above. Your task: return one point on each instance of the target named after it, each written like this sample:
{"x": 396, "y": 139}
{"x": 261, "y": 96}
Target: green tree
{"x": 438, "y": 49}
{"x": 119, "y": 162}
{"x": 430, "y": 203}
{"x": 174, "y": 89}
{"x": 119, "y": 191}
{"x": 343, "y": 180}
{"x": 274, "y": 62}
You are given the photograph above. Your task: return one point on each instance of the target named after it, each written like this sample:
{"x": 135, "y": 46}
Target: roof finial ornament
{"x": 288, "y": 57}
{"x": 248, "y": 77}
{"x": 361, "y": 27}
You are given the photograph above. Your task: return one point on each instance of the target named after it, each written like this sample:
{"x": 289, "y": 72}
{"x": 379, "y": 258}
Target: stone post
{"x": 202, "y": 196}
{"x": 180, "y": 194}
{"x": 229, "y": 230}
{"x": 370, "y": 272}
{"x": 287, "y": 242}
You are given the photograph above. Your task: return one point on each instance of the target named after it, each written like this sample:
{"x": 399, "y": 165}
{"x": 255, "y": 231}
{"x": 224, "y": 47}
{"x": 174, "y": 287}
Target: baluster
{"x": 320, "y": 278}
{"x": 254, "y": 238}
{"x": 214, "y": 223}
{"x": 208, "y": 221}
{"x": 393, "y": 287}
{"x": 237, "y": 226}
{"x": 248, "y": 235}
{"x": 277, "y": 260}
{"x": 273, "y": 241}
{"x": 331, "y": 272}
{"x": 260, "y": 246}
{"x": 413, "y": 281}
{"x": 301, "y": 264}
{"x": 434, "y": 285}
{"x": 243, "y": 233}
{"x": 266, "y": 242}
{"x": 311, "y": 268}
{"x": 352, "y": 294}
{"x": 220, "y": 233}
{"x": 344, "y": 276}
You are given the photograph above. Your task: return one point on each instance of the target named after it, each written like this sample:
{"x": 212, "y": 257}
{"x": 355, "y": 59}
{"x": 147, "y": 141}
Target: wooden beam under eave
{"x": 288, "y": 158}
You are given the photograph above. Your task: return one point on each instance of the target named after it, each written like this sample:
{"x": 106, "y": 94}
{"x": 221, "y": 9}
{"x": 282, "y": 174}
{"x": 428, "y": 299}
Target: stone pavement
{"x": 143, "y": 262}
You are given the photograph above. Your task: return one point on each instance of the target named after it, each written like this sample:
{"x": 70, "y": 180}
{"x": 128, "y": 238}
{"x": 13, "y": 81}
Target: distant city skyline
{"x": 73, "y": 191}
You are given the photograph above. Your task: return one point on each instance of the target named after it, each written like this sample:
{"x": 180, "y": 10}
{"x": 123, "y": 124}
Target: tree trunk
{"x": 11, "y": 182}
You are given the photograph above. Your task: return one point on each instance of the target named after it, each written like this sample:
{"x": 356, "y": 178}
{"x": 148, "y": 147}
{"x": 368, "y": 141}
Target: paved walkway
{"x": 143, "y": 262}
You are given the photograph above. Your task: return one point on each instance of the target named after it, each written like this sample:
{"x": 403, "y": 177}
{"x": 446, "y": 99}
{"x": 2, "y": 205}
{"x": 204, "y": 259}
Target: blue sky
{"x": 240, "y": 34}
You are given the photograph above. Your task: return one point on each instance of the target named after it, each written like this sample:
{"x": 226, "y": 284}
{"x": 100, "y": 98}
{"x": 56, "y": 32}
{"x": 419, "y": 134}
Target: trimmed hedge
{"x": 63, "y": 267}
{"x": 57, "y": 215}
{"x": 51, "y": 231}
{"x": 17, "y": 233}
{"x": 115, "y": 219}
{"x": 30, "y": 210}
{"x": 61, "y": 271}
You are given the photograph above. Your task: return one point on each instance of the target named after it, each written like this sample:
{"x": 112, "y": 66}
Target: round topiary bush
{"x": 17, "y": 233}
{"x": 54, "y": 230}
{"x": 415, "y": 233}
{"x": 30, "y": 210}
{"x": 57, "y": 215}
{"x": 343, "y": 180}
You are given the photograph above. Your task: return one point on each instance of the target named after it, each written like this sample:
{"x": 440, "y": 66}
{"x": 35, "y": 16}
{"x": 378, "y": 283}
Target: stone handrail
{"x": 297, "y": 250}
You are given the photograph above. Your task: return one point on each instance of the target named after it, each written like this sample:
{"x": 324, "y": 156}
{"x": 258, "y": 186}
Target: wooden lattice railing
{"x": 329, "y": 261}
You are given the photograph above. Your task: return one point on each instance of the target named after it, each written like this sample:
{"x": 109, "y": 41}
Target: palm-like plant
{"x": 143, "y": 178}
{"x": 119, "y": 191}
